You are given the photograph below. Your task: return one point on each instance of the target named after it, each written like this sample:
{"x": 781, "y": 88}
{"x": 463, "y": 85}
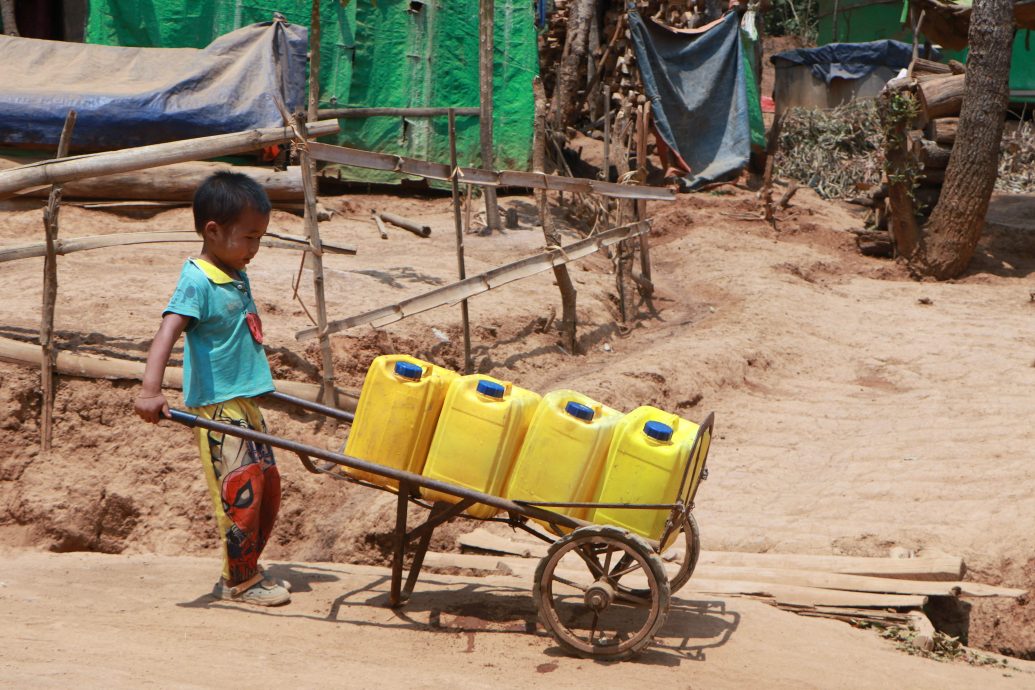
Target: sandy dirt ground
{"x": 857, "y": 410}
{"x": 146, "y": 621}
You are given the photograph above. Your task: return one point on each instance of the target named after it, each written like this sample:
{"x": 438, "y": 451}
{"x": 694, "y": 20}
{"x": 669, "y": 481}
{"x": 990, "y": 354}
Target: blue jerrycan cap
{"x": 579, "y": 411}
{"x": 408, "y": 370}
{"x": 658, "y": 431}
{"x": 490, "y": 388}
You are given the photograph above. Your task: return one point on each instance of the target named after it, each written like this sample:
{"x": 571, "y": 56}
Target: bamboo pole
{"x": 176, "y": 182}
{"x": 315, "y": 260}
{"x": 380, "y": 226}
{"x": 458, "y": 224}
{"x": 483, "y": 282}
{"x": 646, "y": 288}
{"x": 314, "y": 61}
{"x": 50, "y": 286}
{"x": 271, "y": 240}
{"x": 89, "y": 366}
{"x": 607, "y": 133}
{"x": 486, "y": 22}
{"x": 44, "y": 173}
{"x": 487, "y": 178}
{"x": 418, "y": 229}
{"x": 347, "y": 113}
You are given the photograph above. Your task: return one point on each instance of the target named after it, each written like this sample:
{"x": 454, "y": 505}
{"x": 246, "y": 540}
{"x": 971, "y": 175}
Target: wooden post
{"x": 314, "y": 258}
{"x": 314, "y": 61}
{"x": 647, "y": 287}
{"x": 607, "y": 134}
{"x": 48, "y": 361}
{"x": 486, "y": 22}
{"x": 550, "y": 234}
{"x": 314, "y": 74}
{"x": 458, "y": 223}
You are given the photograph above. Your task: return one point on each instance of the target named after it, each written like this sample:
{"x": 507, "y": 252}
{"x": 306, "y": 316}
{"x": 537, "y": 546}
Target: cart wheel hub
{"x": 600, "y": 595}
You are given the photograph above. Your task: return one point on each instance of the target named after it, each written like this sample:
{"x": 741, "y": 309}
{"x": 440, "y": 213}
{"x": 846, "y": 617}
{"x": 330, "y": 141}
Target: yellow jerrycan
{"x": 398, "y": 408}
{"x": 645, "y": 464}
{"x": 478, "y": 437}
{"x": 564, "y": 452}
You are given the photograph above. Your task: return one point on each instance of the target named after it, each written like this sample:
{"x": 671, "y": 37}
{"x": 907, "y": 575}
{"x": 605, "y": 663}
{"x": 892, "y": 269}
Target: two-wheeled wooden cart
{"x": 602, "y": 591}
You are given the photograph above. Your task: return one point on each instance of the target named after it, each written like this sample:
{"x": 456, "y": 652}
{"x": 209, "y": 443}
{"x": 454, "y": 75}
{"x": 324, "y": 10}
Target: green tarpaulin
{"x": 374, "y": 53}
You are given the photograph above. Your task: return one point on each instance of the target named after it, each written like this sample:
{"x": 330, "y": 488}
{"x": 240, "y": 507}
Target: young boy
{"x": 224, "y": 369}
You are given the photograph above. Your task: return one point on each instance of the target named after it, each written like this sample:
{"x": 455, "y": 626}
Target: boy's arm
{"x": 150, "y": 404}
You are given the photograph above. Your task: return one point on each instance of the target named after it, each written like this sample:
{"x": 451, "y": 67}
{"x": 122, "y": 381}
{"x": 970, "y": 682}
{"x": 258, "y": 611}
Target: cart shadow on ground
{"x": 470, "y": 609}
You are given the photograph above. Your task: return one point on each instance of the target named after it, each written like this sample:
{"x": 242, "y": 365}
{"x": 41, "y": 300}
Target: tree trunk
{"x": 7, "y": 15}
{"x": 563, "y": 103}
{"x": 553, "y": 238}
{"x": 956, "y": 223}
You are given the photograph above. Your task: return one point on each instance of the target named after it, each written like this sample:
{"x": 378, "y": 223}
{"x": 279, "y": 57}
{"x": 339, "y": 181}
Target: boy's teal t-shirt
{"x": 221, "y": 359}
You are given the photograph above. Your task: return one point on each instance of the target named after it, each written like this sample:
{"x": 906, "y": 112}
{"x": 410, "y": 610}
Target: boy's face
{"x": 237, "y": 242}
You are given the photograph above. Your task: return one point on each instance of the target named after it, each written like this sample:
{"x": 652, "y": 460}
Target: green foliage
{"x": 898, "y": 110}
{"x": 793, "y": 18}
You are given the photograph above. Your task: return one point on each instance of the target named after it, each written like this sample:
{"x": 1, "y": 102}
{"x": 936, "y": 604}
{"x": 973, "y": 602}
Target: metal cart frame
{"x": 589, "y": 542}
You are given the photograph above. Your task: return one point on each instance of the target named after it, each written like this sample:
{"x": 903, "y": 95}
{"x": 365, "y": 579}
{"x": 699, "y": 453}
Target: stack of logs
{"x": 938, "y": 90}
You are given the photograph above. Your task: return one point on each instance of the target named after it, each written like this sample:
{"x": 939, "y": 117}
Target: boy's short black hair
{"x": 224, "y": 195}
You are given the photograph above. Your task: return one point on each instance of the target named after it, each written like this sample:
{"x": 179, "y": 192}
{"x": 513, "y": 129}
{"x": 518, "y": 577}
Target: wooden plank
{"x": 90, "y": 366}
{"x": 949, "y": 568}
{"x": 79, "y": 244}
{"x": 35, "y": 175}
{"x": 858, "y": 583}
{"x": 781, "y": 593}
{"x": 800, "y": 595}
{"x": 483, "y": 282}
{"x": 934, "y": 568}
{"x": 484, "y": 540}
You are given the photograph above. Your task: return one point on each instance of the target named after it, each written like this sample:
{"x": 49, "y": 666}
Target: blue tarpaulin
{"x": 697, "y": 86}
{"x": 851, "y": 60}
{"x": 136, "y": 96}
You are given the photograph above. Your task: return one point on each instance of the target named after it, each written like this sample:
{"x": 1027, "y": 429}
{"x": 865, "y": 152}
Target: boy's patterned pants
{"x": 244, "y": 483}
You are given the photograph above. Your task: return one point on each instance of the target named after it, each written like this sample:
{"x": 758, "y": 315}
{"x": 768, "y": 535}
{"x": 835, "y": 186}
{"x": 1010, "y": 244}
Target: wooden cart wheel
{"x": 689, "y": 538}
{"x": 593, "y": 607}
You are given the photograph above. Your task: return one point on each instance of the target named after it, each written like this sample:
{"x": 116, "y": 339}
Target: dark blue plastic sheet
{"x": 696, "y": 84}
{"x": 136, "y": 96}
{"x": 851, "y": 60}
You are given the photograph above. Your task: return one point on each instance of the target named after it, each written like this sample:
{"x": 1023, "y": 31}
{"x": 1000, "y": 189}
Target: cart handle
{"x": 504, "y": 504}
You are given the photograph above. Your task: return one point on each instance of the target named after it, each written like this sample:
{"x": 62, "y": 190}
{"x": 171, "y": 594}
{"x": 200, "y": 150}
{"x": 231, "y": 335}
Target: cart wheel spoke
{"x": 566, "y": 581}
{"x": 590, "y": 560}
{"x": 626, "y": 595}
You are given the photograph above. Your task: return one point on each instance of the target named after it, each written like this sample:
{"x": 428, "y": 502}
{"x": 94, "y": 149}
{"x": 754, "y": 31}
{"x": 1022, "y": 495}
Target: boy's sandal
{"x": 255, "y": 590}
{"x": 243, "y": 587}
{"x": 283, "y": 583}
